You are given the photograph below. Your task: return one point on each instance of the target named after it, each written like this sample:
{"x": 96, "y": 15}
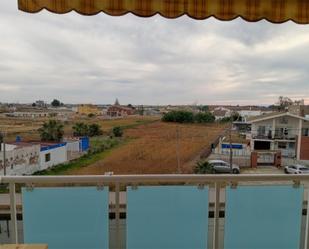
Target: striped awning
{"x": 276, "y": 11}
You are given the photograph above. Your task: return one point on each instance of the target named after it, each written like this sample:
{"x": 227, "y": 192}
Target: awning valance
{"x": 276, "y": 11}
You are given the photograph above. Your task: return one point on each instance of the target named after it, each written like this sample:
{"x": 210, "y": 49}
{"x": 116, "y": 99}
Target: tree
{"x": 80, "y": 129}
{"x": 283, "y": 103}
{"x": 117, "y": 131}
{"x": 205, "y": 117}
{"x": 204, "y": 108}
{"x": 141, "y": 110}
{"x": 236, "y": 116}
{"x": 94, "y": 130}
{"x": 33, "y": 104}
{"x": 91, "y": 115}
{"x": 51, "y": 131}
{"x": 56, "y": 103}
{"x": 178, "y": 117}
{"x": 226, "y": 119}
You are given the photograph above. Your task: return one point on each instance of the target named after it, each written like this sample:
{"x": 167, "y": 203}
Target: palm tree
{"x": 51, "y": 131}
{"x": 203, "y": 167}
{"x": 80, "y": 129}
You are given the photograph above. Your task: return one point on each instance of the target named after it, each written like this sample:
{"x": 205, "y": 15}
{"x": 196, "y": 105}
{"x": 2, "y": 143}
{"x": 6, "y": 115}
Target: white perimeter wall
{"x": 21, "y": 161}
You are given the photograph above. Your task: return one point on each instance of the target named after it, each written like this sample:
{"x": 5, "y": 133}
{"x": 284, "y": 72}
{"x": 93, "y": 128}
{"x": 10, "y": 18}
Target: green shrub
{"x": 178, "y": 117}
{"x": 82, "y": 129}
{"x": 117, "y": 131}
{"x": 203, "y": 167}
{"x": 204, "y": 117}
{"x": 188, "y": 117}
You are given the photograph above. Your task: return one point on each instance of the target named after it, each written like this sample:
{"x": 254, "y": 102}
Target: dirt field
{"x": 153, "y": 148}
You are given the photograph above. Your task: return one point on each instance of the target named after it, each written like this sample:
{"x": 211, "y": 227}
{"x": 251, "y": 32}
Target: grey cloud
{"x": 149, "y": 61}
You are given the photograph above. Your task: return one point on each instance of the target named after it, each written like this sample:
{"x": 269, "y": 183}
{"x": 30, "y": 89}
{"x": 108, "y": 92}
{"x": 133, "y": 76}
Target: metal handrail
{"x": 173, "y": 178}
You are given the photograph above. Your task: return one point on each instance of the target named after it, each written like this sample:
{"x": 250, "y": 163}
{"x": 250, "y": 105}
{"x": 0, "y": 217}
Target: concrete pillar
{"x": 278, "y": 159}
{"x": 273, "y": 129}
{"x": 254, "y": 159}
{"x": 300, "y": 126}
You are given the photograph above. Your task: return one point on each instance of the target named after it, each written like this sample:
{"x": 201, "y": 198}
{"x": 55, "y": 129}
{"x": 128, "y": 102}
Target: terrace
{"x": 160, "y": 211}
{"x": 163, "y": 211}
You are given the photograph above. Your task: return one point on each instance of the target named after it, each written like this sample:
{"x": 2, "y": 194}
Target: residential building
{"x": 30, "y": 114}
{"x": 221, "y": 112}
{"x": 118, "y": 110}
{"x": 300, "y": 110}
{"x": 76, "y": 146}
{"x": 52, "y": 154}
{"x": 25, "y": 158}
{"x": 285, "y": 132}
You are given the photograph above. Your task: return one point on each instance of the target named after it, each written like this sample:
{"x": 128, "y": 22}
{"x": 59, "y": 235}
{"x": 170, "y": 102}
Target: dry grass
{"x": 153, "y": 149}
{"x": 28, "y": 128}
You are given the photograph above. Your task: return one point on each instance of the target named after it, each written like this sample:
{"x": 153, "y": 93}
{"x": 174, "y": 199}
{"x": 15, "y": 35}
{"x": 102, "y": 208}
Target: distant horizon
{"x": 124, "y": 104}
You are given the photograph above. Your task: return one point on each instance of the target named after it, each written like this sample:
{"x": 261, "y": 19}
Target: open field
{"x": 157, "y": 148}
{"x": 27, "y": 128}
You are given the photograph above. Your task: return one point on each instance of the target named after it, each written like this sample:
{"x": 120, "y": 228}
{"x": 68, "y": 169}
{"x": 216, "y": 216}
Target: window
{"x": 306, "y": 132}
{"x": 47, "y": 157}
{"x": 291, "y": 145}
{"x": 261, "y": 131}
{"x": 281, "y": 145}
{"x": 283, "y": 120}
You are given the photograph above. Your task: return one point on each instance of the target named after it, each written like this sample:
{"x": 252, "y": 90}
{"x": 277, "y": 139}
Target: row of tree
{"x": 188, "y": 117}
{"x": 82, "y": 129}
{"x": 53, "y": 130}
{"x": 54, "y": 103}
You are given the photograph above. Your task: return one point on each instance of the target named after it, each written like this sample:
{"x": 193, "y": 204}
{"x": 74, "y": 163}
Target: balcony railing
{"x": 162, "y": 211}
{"x": 276, "y": 137}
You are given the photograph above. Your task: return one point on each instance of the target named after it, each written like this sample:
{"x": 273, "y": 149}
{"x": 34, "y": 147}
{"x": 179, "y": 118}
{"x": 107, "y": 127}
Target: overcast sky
{"x": 80, "y": 59}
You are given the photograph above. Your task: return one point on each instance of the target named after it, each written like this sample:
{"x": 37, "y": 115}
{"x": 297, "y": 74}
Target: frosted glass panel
{"x": 167, "y": 217}
{"x": 66, "y": 218}
{"x": 263, "y": 217}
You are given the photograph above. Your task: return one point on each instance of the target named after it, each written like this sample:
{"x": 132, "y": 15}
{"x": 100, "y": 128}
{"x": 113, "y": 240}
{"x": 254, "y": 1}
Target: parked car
{"x": 219, "y": 166}
{"x": 296, "y": 169}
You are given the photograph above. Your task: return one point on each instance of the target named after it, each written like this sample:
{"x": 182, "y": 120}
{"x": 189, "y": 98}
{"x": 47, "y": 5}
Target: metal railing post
{"x": 216, "y": 216}
{"x": 306, "y": 244}
{"x": 13, "y": 213}
{"x": 117, "y": 213}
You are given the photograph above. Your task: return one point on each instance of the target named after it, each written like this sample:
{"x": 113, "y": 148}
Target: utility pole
{"x": 231, "y": 149}
{"x": 177, "y": 151}
{"x": 4, "y": 156}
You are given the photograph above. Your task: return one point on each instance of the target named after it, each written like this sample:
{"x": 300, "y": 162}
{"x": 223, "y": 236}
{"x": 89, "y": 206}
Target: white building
{"x": 281, "y": 131}
{"x": 30, "y": 114}
{"x": 221, "y": 112}
{"x": 52, "y": 154}
{"x": 26, "y": 158}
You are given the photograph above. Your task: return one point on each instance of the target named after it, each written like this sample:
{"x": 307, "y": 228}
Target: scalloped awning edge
{"x": 250, "y": 10}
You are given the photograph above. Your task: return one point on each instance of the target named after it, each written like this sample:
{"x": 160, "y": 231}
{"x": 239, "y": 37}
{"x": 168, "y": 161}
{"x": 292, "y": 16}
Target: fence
{"x": 155, "y": 203}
